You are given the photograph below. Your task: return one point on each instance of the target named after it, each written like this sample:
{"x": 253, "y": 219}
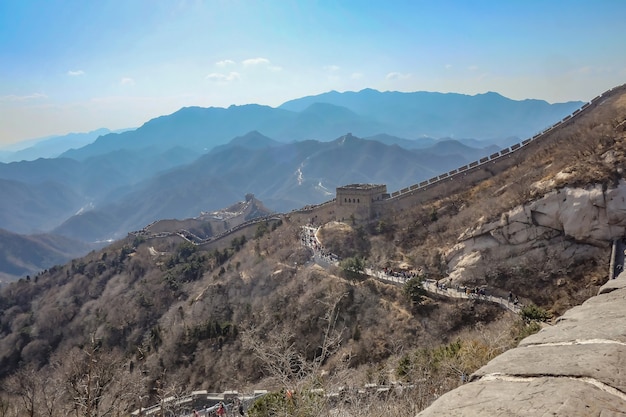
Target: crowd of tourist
{"x": 309, "y": 239}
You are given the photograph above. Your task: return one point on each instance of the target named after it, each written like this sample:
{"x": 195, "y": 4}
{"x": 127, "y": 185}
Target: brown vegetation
{"x": 153, "y": 319}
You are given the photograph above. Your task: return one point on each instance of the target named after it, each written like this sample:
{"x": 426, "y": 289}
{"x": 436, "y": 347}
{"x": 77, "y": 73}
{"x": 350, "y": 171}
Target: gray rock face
{"x": 542, "y": 396}
{"x": 575, "y": 368}
{"x": 582, "y": 220}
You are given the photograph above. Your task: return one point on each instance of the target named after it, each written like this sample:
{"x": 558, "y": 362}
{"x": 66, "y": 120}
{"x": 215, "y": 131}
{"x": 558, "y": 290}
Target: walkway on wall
{"x": 457, "y": 292}
{"x": 502, "y": 154}
{"x": 325, "y": 258}
{"x": 198, "y": 241}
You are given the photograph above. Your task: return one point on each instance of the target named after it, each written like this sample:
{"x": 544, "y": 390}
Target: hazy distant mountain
{"x": 426, "y": 142}
{"x": 327, "y": 116}
{"x": 51, "y": 146}
{"x": 35, "y": 208}
{"x": 23, "y": 255}
{"x": 420, "y": 143}
{"x": 39, "y": 195}
{"x": 324, "y": 122}
{"x": 412, "y": 115}
{"x": 195, "y": 128}
{"x": 451, "y": 147}
{"x": 251, "y": 140}
{"x": 283, "y": 176}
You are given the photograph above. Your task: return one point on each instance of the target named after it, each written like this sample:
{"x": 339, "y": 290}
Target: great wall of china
{"x": 494, "y": 381}
{"x": 433, "y": 188}
{"x": 470, "y": 174}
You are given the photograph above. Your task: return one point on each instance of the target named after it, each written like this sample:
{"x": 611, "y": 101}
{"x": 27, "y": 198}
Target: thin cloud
{"x": 589, "y": 70}
{"x": 448, "y": 66}
{"x": 473, "y": 68}
{"x": 218, "y": 77}
{"x": 75, "y": 73}
{"x": 331, "y": 68}
{"x": 261, "y": 62}
{"x": 127, "y": 81}
{"x": 255, "y": 61}
{"x": 224, "y": 63}
{"x": 13, "y": 97}
{"x": 397, "y": 76}
{"x": 356, "y": 75}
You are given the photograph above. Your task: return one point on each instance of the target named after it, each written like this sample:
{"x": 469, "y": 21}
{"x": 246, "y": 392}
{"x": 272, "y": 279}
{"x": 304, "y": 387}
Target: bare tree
{"x": 98, "y": 383}
{"x": 25, "y": 386}
{"x": 4, "y": 406}
{"x": 168, "y": 394}
{"x": 52, "y": 393}
{"x": 37, "y": 392}
{"x": 300, "y": 379}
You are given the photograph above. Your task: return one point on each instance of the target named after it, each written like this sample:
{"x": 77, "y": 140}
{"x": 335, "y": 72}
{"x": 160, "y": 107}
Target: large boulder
{"x": 576, "y": 367}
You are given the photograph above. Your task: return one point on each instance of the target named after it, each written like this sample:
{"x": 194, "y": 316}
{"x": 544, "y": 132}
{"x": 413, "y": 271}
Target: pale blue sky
{"x": 74, "y": 66}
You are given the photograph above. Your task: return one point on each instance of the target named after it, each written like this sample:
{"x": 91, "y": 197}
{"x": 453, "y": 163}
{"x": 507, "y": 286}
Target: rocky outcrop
{"x": 582, "y": 220}
{"x": 575, "y": 368}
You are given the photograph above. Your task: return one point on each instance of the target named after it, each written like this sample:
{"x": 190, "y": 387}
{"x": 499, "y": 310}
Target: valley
{"x": 312, "y": 209}
{"x": 124, "y": 181}
{"x": 165, "y": 312}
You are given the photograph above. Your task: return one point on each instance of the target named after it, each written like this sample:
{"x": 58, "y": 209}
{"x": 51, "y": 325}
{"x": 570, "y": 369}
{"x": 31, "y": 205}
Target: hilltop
{"x": 165, "y": 316}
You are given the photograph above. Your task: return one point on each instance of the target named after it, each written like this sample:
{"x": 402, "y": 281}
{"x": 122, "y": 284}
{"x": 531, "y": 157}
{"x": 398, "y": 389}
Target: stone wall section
{"x": 358, "y": 200}
{"x": 462, "y": 177}
{"x": 471, "y": 174}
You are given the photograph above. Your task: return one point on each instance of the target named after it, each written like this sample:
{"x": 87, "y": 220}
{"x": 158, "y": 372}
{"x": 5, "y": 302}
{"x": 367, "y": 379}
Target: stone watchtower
{"x": 359, "y": 200}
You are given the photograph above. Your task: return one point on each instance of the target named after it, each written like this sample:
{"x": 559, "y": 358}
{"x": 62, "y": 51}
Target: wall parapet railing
{"x": 423, "y": 185}
{"x": 497, "y": 155}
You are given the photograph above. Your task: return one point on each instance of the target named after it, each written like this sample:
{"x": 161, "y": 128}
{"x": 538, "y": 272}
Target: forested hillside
{"x": 153, "y": 318}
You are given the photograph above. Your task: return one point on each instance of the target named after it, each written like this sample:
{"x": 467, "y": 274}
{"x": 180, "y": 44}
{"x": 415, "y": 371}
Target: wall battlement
{"x": 449, "y": 182}
{"x": 359, "y": 200}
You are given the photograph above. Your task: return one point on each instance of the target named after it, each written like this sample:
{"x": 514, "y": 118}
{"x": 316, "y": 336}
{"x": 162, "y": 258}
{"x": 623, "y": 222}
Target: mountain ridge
{"x": 169, "y": 316}
{"x": 394, "y": 113}
{"x": 389, "y": 105}
{"x": 123, "y": 181}
{"x": 51, "y": 146}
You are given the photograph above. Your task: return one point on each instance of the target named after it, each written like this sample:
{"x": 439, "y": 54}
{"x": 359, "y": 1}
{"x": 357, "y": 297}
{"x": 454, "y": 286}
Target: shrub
{"x": 532, "y": 313}
{"x": 353, "y": 267}
{"x": 414, "y": 290}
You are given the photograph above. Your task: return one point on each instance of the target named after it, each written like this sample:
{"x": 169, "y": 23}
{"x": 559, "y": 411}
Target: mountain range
{"x": 203, "y": 159}
{"x": 153, "y": 317}
{"x": 325, "y": 117}
{"x": 23, "y": 255}
{"x": 51, "y": 146}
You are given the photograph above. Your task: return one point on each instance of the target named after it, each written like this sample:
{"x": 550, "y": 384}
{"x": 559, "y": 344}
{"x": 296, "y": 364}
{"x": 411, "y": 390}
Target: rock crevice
{"x": 572, "y": 218}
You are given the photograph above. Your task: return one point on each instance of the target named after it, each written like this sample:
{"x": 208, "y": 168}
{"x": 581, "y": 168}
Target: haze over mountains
{"x": 167, "y": 307}
{"x": 325, "y": 117}
{"x": 203, "y": 159}
{"x": 51, "y": 146}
